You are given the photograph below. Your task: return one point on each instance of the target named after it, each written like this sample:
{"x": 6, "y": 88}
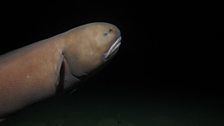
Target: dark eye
{"x": 105, "y": 34}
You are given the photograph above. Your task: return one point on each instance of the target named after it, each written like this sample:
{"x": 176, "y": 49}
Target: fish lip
{"x": 114, "y": 48}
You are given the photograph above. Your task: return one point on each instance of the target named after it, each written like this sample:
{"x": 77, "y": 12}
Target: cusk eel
{"x": 39, "y": 70}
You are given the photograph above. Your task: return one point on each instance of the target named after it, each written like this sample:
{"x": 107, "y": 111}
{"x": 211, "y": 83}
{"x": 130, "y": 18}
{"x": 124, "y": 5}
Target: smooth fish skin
{"x": 39, "y": 70}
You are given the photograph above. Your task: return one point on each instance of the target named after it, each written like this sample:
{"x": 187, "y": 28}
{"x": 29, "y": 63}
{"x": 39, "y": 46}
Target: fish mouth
{"x": 113, "y": 49}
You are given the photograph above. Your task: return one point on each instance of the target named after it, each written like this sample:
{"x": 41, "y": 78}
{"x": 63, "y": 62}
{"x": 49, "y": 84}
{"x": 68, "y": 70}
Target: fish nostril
{"x": 110, "y": 30}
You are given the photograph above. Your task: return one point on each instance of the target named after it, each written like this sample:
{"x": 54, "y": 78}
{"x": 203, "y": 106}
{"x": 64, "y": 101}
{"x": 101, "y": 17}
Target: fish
{"x": 53, "y": 65}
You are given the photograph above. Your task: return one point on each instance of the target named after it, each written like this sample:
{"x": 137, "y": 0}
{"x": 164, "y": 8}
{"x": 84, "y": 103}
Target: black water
{"x": 167, "y": 71}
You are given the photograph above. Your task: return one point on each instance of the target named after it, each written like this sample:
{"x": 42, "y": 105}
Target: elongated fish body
{"x": 39, "y": 70}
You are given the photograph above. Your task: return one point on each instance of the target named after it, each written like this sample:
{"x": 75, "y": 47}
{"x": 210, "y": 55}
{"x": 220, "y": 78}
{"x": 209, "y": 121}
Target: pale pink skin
{"x": 31, "y": 73}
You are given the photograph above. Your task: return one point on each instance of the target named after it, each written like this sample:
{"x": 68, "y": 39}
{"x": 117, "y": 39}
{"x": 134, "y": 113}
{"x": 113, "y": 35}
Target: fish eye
{"x": 105, "y": 34}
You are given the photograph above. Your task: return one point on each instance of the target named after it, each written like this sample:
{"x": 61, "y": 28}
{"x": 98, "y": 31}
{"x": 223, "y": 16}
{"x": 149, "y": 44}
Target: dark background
{"x": 169, "y": 50}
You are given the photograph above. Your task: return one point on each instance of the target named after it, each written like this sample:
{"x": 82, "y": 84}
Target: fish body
{"x": 38, "y": 71}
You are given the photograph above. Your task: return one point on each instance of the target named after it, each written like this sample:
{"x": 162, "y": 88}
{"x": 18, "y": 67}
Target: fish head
{"x": 90, "y": 46}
